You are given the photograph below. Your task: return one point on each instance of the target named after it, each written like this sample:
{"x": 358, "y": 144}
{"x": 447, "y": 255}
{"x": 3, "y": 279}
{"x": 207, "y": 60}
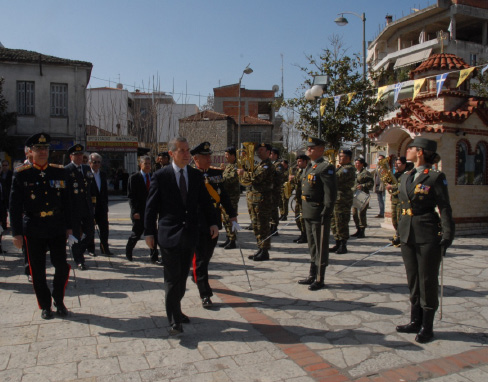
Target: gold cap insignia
{"x": 310, "y": 139}
{"x": 42, "y": 139}
{"x": 206, "y": 147}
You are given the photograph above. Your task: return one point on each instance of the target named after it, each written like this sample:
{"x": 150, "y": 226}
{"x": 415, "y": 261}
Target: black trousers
{"x": 176, "y": 262}
{"x": 83, "y": 225}
{"x": 135, "y": 236}
{"x": 36, "y": 251}
{"x": 101, "y": 219}
{"x": 203, "y": 253}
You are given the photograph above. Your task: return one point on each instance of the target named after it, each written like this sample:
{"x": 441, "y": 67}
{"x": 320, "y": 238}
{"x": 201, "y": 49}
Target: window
{"x": 471, "y": 166}
{"x": 59, "y": 100}
{"x": 480, "y": 164}
{"x": 25, "y": 98}
{"x": 462, "y": 156}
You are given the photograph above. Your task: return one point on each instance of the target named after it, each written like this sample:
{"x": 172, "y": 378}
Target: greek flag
{"x": 337, "y": 98}
{"x": 440, "y": 81}
{"x": 398, "y": 87}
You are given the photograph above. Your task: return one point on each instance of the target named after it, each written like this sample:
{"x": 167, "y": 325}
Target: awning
{"x": 413, "y": 58}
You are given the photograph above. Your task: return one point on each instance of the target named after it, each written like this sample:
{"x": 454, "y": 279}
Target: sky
{"x": 188, "y": 47}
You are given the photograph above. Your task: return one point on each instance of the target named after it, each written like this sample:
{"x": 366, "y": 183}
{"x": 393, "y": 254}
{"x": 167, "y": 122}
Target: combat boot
{"x": 358, "y": 230}
{"x": 361, "y": 234}
{"x": 222, "y": 245}
{"x": 231, "y": 245}
{"x": 311, "y": 276}
{"x": 426, "y": 333}
{"x": 256, "y": 254}
{"x": 302, "y": 239}
{"x": 342, "y": 247}
{"x": 335, "y": 247}
{"x": 319, "y": 284}
{"x": 274, "y": 230}
{"x": 415, "y": 321}
{"x": 263, "y": 256}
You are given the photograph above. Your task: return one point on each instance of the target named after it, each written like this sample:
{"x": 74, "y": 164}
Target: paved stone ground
{"x": 278, "y": 331}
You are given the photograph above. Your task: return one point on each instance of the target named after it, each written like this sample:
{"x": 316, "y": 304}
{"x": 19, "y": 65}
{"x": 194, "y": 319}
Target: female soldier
{"x": 421, "y": 190}
{"x": 364, "y": 182}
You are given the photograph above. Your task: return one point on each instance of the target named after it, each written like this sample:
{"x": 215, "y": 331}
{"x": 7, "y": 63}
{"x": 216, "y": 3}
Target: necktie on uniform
{"x": 148, "y": 182}
{"x": 411, "y": 177}
{"x": 183, "y": 189}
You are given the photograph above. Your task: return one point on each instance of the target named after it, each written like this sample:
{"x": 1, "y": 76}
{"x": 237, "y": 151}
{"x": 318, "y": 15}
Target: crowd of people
{"x": 181, "y": 206}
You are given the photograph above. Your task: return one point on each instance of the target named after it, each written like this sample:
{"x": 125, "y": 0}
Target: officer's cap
{"x": 267, "y": 145}
{"x": 424, "y": 143}
{"x": 276, "y": 151}
{"x": 164, "y": 154}
{"x": 231, "y": 150}
{"x": 303, "y": 157}
{"x": 39, "y": 140}
{"x": 346, "y": 152}
{"x": 203, "y": 149}
{"x": 76, "y": 149}
{"x": 313, "y": 141}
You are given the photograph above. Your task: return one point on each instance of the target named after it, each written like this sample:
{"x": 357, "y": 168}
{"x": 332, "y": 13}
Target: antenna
{"x": 282, "y": 78}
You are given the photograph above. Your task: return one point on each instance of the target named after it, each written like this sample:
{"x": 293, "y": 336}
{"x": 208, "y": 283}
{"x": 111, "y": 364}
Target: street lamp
{"x": 247, "y": 70}
{"x": 341, "y": 21}
{"x": 318, "y": 88}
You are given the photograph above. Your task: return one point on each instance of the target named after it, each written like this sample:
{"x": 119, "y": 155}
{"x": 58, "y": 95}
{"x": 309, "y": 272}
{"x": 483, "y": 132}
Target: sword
{"x": 278, "y": 230}
{"x": 74, "y": 275}
{"x": 243, "y": 262}
{"x": 443, "y": 253}
{"x": 365, "y": 257}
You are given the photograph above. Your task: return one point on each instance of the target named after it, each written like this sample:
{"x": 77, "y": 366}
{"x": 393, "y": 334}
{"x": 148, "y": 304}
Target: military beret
{"x": 76, "y": 149}
{"x": 39, "y": 139}
{"x": 275, "y": 151}
{"x": 346, "y": 152}
{"x": 231, "y": 150}
{"x": 203, "y": 148}
{"x": 424, "y": 143}
{"x": 313, "y": 141}
{"x": 267, "y": 145}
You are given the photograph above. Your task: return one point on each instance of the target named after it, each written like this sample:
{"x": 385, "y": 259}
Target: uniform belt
{"x": 43, "y": 214}
{"x": 411, "y": 212}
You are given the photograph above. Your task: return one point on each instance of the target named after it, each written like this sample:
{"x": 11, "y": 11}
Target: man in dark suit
{"x": 99, "y": 198}
{"x": 79, "y": 184}
{"x": 137, "y": 191}
{"x": 176, "y": 197}
{"x": 319, "y": 193}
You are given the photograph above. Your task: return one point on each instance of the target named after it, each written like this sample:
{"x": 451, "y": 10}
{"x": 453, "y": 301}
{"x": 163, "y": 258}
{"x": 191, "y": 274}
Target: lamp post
{"x": 341, "y": 21}
{"x": 247, "y": 70}
{"x": 318, "y": 88}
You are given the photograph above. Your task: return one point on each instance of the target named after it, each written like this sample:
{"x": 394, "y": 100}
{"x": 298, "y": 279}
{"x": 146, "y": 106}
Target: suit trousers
{"x": 82, "y": 226}
{"x": 318, "y": 245}
{"x": 101, "y": 219}
{"x": 176, "y": 262}
{"x": 203, "y": 254}
{"x": 422, "y": 263}
{"x": 36, "y": 251}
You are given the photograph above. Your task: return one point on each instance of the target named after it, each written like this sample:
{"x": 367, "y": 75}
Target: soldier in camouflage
{"x": 364, "y": 182}
{"x": 276, "y": 192}
{"x": 233, "y": 189}
{"x": 259, "y": 197}
{"x": 296, "y": 181}
{"x": 345, "y": 176}
{"x": 284, "y": 198}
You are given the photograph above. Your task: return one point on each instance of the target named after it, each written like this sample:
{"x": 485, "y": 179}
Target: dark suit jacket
{"x": 165, "y": 201}
{"x": 100, "y": 197}
{"x": 422, "y": 196}
{"x": 137, "y": 194}
{"x": 6, "y": 185}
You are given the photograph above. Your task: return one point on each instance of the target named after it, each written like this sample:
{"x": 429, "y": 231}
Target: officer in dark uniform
{"x": 40, "y": 213}
{"x": 319, "y": 192}
{"x": 206, "y": 244}
{"x": 423, "y": 234}
{"x": 80, "y": 177}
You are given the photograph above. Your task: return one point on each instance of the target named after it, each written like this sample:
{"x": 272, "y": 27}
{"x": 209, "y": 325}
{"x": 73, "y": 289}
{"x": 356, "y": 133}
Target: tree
{"x": 209, "y": 105}
{"x": 344, "y": 123}
{"x": 480, "y": 83}
{"x": 6, "y": 120}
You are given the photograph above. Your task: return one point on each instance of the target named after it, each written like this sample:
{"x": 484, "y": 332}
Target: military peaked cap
{"x": 231, "y": 150}
{"x": 424, "y": 143}
{"x": 313, "y": 141}
{"x": 267, "y": 145}
{"x": 346, "y": 152}
{"x": 76, "y": 149}
{"x": 275, "y": 151}
{"x": 303, "y": 157}
{"x": 203, "y": 148}
{"x": 39, "y": 139}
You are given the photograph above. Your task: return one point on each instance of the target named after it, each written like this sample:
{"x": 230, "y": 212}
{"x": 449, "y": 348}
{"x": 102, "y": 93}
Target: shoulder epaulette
{"x": 56, "y": 165}
{"x": 216, "y": 168}
{"x": 23, "y": 167}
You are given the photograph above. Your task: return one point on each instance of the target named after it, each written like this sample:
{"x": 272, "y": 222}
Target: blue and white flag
{"x": 484, "y": 70}
{"x": 337, "y": 98}
{"x": 440, "y": 81}
{"x": 398, "y": 87}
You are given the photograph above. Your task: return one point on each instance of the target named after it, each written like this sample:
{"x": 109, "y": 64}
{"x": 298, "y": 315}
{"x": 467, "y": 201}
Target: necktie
{"x": 183, "y": 189}
{"x": 411, "y": 177}
{"x": 148, "y": 182}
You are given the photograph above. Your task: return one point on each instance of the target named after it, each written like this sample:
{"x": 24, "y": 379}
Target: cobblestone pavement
{"x": 278, "y": 331}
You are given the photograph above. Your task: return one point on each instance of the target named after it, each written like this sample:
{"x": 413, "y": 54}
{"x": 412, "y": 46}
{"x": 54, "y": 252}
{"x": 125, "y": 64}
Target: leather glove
{"x": 235, "y": 226}
{"x": 72, "y": 240}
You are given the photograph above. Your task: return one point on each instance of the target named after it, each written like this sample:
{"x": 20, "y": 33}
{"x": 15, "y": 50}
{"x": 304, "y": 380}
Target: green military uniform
{"x": 284, "y": 199}
{"x": 319, "y": 192}
{"x": 276, "y": 193}
{"x": 365, "y": 179}
{"x": 259, "y": 197}
{"x": 297, "y": 185}
{"x": 233, "y": 189}
{"x": 346, "y": 177}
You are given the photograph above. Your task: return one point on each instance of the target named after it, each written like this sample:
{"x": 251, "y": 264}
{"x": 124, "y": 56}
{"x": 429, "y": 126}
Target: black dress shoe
{"x": 316, "y": 286}
{"x": 424, "y": 336}
{"x": 61, "y": 309}
{"x": 176, "y": 329}
{"x": 185, "y": 319}
{"x": 82, "y": 267}
{"x": 222, "y": 245}
{"x": 128, "y": 256}
{"x": 256, "y": 254}
{"x": 231, "y": 245}
{"x": 411, "y": 327}
{"x": 206, "y": 302}
{"x": 47, "y": 314}
{"x": 308, "y": 281}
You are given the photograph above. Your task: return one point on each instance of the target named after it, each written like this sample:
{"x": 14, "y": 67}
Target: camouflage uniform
{"x": 258, "y": 198}
{"x": 297, "y": 184}
{"x": 365, "y": 179}
{"x": 233, "y": 189}
{"x": 276, "y": 192}
{"x": 345, "y": 176}
{"x": 284, "y": 199}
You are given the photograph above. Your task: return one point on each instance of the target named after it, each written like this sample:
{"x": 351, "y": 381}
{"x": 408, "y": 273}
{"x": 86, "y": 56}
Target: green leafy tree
{"x": 479, "y": 83}
{"x": 344, "y": 123}
{"x": 6, "y": 120}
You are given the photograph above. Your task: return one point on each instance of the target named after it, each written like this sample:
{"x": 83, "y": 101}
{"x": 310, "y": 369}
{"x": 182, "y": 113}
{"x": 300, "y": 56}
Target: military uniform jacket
{"x": 280, "y": 175}
{"x": 231, "y": 182}
{"x": 346, "y": 177}
{"x": 365, "y": 179}
{"x": 39, "y": 201}
{"x": 418, "y": 201}
{"x": 213, "y": 178}
{"x": 319, "y": 190}
{"x": 261, "y": 181}
{"x": 79, "y": 185}
{"x": 395, "y": 187}
{"x": 297, "y": 184}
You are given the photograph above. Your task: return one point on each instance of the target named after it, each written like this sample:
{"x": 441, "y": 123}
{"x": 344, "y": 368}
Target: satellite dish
{"x": 275, "y": 88}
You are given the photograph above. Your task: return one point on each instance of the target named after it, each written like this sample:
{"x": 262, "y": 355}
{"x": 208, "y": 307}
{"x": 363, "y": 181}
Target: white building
{"x": 168, "y": 119}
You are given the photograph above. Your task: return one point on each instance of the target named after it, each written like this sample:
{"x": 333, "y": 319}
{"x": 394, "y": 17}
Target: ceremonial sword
{"x": 365, "y": 257}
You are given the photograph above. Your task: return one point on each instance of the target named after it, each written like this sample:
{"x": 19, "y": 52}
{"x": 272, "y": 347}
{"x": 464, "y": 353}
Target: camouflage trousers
{"x": 284, "y": 204}
{"x": 275, "y": 202}
{"x": 227, "y": 223}
{"x": 360, "y": 216}
{"x": 260, "y": 217}
{"x": 299, "y": 220}
{"x": 396, "y": 212}
{"x": 339, "y": 223}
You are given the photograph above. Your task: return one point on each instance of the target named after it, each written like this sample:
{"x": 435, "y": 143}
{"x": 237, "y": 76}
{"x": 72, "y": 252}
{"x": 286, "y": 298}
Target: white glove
{"x": 235, "y": 226}
{"x": 72, "y": 240}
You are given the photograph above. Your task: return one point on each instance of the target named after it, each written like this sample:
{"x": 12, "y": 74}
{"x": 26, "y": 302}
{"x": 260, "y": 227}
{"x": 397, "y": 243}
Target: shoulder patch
{"x": 56, "y": 165}
{"x": 23, "y": 167}
{"x": 445, "y": 181}
{"x": 330, "y": 172}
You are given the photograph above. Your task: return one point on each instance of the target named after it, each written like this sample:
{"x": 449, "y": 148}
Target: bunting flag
{"x": 398, "y": 87}
{"x": 381, "y": 91}
{"x": 323, "y": 102}
{"x": 484, "y": 70}
{"x": 350, "y": 96}
{"x": 463, "y": 75}
{"x": 337, "y": 99}
{"x": 417, "y": 85}
{"x": 439, "y": 80}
